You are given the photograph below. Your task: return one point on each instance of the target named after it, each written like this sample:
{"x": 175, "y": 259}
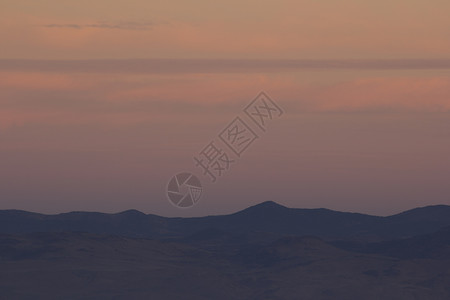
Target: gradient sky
{"x": 101, "y": 102}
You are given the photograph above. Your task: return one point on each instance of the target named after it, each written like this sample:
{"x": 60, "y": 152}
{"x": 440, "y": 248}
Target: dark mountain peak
{"x": 431, "y": 211}
{"x": 132, "y": 212}
{"x": 80, "y": 214}
{"x": 267, "y": 206}
{"x": 262, "y": 211}
{"x": 17, "y": 212}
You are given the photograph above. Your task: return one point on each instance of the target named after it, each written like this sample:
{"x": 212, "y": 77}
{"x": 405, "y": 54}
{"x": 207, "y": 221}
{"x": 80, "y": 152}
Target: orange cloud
{"x": 121, "y": 99}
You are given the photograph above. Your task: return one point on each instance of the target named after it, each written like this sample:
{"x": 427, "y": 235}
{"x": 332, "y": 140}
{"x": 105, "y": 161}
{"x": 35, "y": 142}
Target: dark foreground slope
{"x": 89, "y": 266}
{"x": 264, "y": 252}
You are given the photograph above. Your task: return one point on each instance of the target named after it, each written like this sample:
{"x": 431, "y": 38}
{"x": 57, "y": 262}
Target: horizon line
{"x": 248, "y": 207}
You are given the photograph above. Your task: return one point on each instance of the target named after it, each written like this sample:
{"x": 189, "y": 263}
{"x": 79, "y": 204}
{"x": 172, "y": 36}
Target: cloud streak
{"x": 157, "y": 66}
{"x": 106, "y": 25}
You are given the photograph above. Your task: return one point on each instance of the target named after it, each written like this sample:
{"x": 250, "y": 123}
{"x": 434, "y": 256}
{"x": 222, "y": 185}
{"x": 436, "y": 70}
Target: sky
{"x": 102, "y": 102}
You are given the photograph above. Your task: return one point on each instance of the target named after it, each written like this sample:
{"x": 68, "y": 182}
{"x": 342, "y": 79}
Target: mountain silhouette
{"x": 267, "y": 251}
{"x": 268, "y": 217}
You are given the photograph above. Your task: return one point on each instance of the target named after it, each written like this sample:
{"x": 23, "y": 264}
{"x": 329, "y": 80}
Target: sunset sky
{"x": 102, "y": 102}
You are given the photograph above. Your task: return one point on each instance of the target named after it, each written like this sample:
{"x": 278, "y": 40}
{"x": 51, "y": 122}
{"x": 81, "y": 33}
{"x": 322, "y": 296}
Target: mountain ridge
{"x": 269, "y": 217}
{"x": 264, "y": 252}
{"x": 265, "y": 204}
